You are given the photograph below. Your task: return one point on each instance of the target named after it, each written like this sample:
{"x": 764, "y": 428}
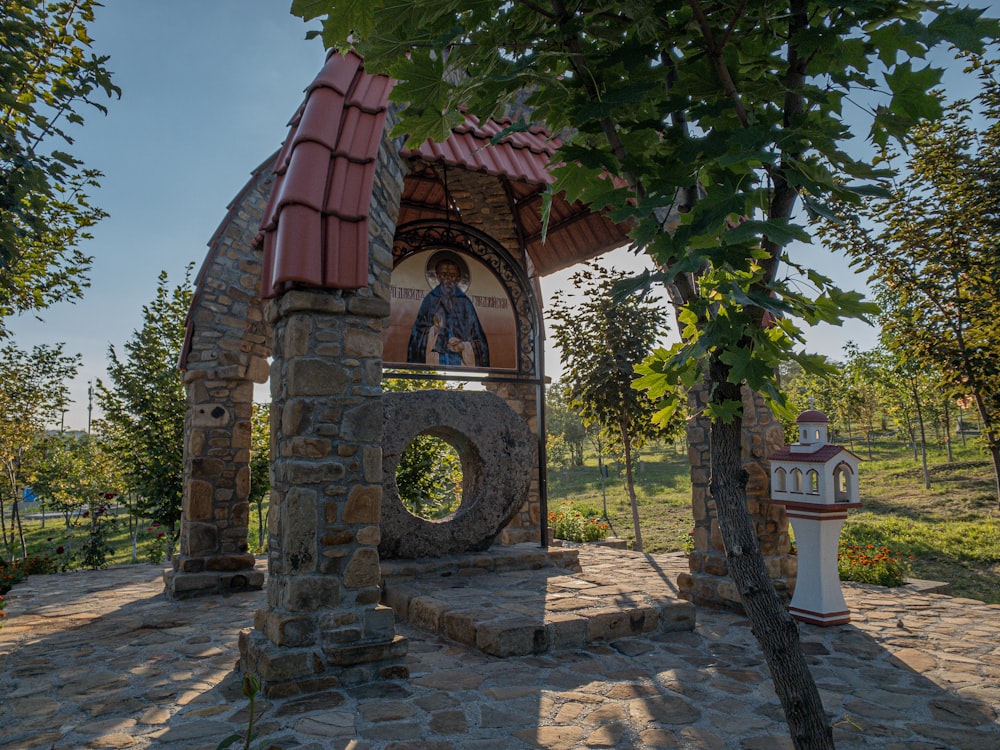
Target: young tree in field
{"x": 861, "y": 372}
{"x": 144, "y": 403}
{"x": 602, "y": 336}
{"x": 565, "y": 422}
{"x": 33, "y": 393}
{"x": 904, "y": 391}
{"x": 935, "y": 253}
{"x": 721, "y": 116}
{"x": 49, "y": 77}
{"x": 79, "y": 476}
{"x": 260, "y": 467}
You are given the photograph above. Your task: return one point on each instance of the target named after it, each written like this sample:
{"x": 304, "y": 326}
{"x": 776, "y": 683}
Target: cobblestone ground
{"x": 103, "y": 660}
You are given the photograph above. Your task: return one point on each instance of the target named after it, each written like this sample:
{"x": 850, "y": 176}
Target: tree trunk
{"x": 15, "y": 522}
{"x": 3, "y": 518}
{"x": 923, "y": 436}
{"x": 630, "y": 487}
{"x": 772, "y": 626}
{"x": 946, "y": 417}
{"x": 987, "y": 431}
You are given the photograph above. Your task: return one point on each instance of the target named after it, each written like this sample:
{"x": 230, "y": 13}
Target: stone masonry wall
{"x": 526, "y": 525}
{"x": 323, "y": 625}
{"x": 226, "y": 352}
{"x": 708, "y": 580}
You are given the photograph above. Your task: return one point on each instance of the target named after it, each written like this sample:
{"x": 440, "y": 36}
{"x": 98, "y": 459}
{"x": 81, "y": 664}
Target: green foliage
{"x": 48, "y": 77}
{"x": 932, "y": 250}
{"x": 33, "y": 391}
{"x": 602, "y": 337}
{"x": 144, "y": 403}
{"x": 564, "y": 425}
{"x": 429, "y": 473}
{"x": 575, "y": 524}
{"x": 96, "y": 547}
{"x": 429, "y": 477}
{"x": 260, "y": 470}
{"x": 715, "y": 118}
{"x": 870, "y": 564}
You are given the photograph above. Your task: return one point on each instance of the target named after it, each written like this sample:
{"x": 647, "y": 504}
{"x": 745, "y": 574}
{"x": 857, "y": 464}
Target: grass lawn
{"x": 952, "y": 529}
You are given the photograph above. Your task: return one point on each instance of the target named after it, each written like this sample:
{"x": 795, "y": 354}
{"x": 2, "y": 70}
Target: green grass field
{"x": 952, "y": 530}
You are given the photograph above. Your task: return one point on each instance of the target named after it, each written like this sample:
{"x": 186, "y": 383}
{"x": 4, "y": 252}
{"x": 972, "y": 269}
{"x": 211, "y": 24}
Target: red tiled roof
{"x": 315, "y": 228}
{"x": 812, "y": 415}
{"x": 521, "y": 159}
{"x": 819, "y": 456}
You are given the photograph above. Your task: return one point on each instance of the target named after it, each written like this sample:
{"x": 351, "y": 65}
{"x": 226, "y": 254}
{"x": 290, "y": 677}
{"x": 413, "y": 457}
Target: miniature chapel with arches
{"x": 812, "y": 469}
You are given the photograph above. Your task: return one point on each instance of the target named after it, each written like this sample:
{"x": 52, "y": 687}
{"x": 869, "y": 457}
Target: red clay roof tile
{"x": 306, "y": 179}
{"x": 819, "y": 456}
{"x": 344, "y": 115}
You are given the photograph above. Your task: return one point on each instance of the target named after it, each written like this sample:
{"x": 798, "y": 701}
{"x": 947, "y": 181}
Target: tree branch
{"x": 715, "y": 54}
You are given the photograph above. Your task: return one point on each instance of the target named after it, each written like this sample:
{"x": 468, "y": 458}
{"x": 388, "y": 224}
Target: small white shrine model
{"x": 816, "y": 482}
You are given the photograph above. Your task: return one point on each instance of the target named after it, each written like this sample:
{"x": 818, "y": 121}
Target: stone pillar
{"x": 323, "y": 625}
{"x": 526, "y": 525}
{"x": 708, "y": 580}
{"x": 213, "y": 553}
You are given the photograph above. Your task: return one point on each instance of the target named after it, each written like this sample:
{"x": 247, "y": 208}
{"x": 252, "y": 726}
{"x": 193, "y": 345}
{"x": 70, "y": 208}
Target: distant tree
{"x": 934, "y": 253}
{"x": 80, "y": 477}
{"x": 260, "y": 466}
{"x": 33, "y": 393}
{"x": 48, "y": 77}
{"x": 861, "y": 370}
{"x": 144, "y": 403}
{"x": 602, "y": 336}
{"x": 565, "y": 422}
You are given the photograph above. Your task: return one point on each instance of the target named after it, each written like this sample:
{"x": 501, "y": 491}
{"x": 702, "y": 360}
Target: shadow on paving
{"x": 124, "y": 667}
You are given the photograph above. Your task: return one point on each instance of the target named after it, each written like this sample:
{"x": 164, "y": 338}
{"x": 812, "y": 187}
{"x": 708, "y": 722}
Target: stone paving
{"x": 103, "y": 660}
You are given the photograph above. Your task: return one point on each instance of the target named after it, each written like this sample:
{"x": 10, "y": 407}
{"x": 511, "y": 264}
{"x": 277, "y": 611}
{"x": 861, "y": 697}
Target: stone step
{"x": 509, "y": 602}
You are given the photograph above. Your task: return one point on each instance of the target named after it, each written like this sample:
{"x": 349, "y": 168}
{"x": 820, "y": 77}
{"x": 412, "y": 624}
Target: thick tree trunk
{"x": 773, "y": 627}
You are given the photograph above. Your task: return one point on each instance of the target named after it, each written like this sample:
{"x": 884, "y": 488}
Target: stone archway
{"x": 225, "y": 352}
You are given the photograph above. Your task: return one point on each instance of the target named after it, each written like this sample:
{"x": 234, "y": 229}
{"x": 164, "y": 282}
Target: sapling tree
{"x": 33, "y": 392}
{"x": 144, "y": 403}
{"x": 601, "y": 336}
{"x": 715, "y": 121}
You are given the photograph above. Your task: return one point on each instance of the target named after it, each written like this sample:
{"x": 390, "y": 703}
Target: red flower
{"x": 60, "y": 550}
{"x": 85, "y": 514}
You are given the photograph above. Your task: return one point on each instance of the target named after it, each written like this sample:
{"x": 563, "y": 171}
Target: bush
{"x": 574, "y": 525}
{"x": 866, "y": 563}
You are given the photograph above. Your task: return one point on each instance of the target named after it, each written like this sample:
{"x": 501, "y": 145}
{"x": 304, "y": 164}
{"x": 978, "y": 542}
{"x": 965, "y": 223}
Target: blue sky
{"x": 208, "y": 88}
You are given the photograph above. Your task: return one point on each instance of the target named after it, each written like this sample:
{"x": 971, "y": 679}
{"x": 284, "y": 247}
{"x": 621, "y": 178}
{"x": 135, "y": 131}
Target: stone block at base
{"x": 285, "y": 671}
{"x": 182, "y": 585}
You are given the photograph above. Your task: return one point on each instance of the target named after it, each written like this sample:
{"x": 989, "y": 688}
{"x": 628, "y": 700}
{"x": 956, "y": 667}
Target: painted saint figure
{"x": 446, "y": 330}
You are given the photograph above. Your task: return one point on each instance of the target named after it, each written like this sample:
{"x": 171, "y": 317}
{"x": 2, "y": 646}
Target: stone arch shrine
{"x": 343, "y": 256}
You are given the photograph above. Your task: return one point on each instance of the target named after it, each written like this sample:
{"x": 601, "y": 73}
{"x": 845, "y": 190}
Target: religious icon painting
{"x": 449, "y": 311}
